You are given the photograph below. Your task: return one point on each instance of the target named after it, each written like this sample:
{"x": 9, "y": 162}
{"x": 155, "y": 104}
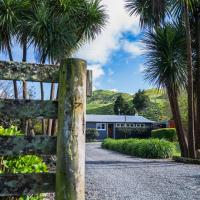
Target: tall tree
{"x": 119, "y": 105}
{"x": 55, "y": 35}
{"x": 167, "y": 68}
{"x": 195, "y": 32}
{"x": 9, "y": 10}
{"x": 146, "y": 9}
{"x": 140, "y": 100}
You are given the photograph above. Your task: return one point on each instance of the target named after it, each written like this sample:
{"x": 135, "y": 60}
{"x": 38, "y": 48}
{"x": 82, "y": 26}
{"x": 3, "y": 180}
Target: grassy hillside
{"x": 102, "y": 100}
{"x": 102, "y": 103}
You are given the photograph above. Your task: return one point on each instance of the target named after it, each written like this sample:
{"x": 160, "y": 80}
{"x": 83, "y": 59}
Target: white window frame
{"x": 118, "y": 125}
{"x": 100, "y": 125}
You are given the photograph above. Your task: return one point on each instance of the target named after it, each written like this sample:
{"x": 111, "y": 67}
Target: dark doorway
{"x": 111, "y": 130}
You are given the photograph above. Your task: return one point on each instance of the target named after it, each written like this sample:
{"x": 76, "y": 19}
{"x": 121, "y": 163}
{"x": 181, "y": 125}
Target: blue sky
{"x": 115, "y": 56}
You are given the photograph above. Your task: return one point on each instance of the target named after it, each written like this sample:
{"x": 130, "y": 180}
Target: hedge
{"x": 165, "y": 133}
{"x": 127, "y": 132}
{"x": 91, "y": 134}
{"x": 144, "y": 148}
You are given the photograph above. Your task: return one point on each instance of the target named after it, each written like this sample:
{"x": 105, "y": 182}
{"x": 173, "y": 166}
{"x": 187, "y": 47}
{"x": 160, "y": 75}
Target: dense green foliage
{"x": 13, "y": 130}
{"x": 127, "y": 132}
{"x": 102, "y": 102}
{"x": 145, "y": 148}
{"x": 21, "y": 164}
{"x": 24, "y": 164}
{"x": 165, "y": 133}
{"x": 91, "y": 134}
{"x": 141, "y": 100}
{"x": 122, "y": 106}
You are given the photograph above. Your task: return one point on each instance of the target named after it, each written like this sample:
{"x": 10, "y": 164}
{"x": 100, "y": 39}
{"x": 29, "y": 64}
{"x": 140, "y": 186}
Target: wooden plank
{"x": 28, "y": 72}
{"x": 20, "y": 145}
{"x": 70, "y": 166}
{"x": 28, "y": 109}
{"x": 26, "y": 184}
{"x": 89, "y": 83}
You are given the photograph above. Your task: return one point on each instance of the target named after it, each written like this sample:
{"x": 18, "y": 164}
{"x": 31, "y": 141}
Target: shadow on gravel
{"x": 133, "y": 164}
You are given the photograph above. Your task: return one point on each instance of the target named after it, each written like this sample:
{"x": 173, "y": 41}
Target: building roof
{"x": 117, "y": 119}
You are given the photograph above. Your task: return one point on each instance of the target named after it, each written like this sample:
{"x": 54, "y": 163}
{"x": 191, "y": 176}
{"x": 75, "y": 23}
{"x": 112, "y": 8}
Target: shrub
{"x": 144, "y": 148}
{"x": 130, "y": 132}
{"x": 91, "y": 134}
{"x": 165, "y": 133}
{"x": 21, "y": 164}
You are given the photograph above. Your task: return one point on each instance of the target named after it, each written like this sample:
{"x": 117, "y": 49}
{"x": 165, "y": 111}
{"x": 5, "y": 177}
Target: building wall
{"x": 102, "y": 133}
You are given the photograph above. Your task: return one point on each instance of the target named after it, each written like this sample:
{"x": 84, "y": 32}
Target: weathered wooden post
{"x": 89, "y": 83}
{"x": 70, "y": 169}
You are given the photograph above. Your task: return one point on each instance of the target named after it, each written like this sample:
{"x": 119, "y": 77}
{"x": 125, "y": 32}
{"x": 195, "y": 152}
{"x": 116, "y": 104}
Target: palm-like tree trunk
{"x": 11, "y": 59}
{"x": 191, "y": 136}
{"x": 50, "y": 121}
{"x": 28, "y": 126}
{"x": 197, "y": 81}
{"x": 173, "y": 99}
{"x": 42, "y": 99}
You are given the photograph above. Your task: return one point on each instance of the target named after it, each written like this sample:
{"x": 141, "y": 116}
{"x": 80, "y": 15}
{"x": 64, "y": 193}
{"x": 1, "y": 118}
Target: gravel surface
{"x": 113, "y": 176}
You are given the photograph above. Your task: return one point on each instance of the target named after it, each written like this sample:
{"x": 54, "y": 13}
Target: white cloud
{"x": 101, "y": 49}
{"x": 97, "y": 73}
{"x": 134, "y": 48}
{"x": 114, "y": 90}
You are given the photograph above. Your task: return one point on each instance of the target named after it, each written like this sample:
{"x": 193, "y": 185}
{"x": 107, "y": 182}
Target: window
{"x": 118, "y": 125}
{"x": 143, "y": 125}
{"x": 138, "y": 125}
{"x": 101, "y": 126}
{"x": 122, "y": 125}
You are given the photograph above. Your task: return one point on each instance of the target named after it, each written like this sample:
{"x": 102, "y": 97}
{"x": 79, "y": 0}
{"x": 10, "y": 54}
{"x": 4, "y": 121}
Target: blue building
{"x": 108, "y": 125}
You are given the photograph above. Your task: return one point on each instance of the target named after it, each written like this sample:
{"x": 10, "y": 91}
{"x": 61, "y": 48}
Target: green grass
{"x": 177, "y": 149}
{"x": 102, "y": 101}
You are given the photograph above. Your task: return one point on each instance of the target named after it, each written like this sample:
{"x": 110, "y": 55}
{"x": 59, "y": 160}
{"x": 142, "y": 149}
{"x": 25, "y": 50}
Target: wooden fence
{"x": 69, "y": 180}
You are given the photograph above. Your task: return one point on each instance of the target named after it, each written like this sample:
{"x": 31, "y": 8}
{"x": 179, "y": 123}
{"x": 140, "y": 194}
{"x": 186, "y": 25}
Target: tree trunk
{"x": 190, "y": 89}
{"x": 28, "y": 126}
{"x": 55, "y": 121}
{"x": 42, "y": 95}
{"x": 173, "y": 99}
{"x": 42, "y": 98}
{"x": 197, "y": 84}
{"x": 11, "y": 59}
{"x": 50, "y": 121}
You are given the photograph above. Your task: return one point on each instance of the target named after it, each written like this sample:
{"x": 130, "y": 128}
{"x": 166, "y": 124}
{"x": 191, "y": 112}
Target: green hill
{"x": 102, "y": 100}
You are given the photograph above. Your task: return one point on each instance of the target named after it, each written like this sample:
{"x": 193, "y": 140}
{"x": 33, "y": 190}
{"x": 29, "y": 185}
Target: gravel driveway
{"x": 113, "y": 176}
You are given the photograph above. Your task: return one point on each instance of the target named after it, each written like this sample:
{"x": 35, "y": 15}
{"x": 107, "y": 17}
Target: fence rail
{"x": 20, "y": 145}
{"x": 26, "y": 184}
{"x": 35, "y": 73}
{"x": 28, "y": 109}
{"x": 75, "y": 82}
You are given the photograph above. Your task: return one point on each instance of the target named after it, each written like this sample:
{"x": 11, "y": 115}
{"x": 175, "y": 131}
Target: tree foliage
{"x": 141, "y": 100}
{"x": 123, "y": 107}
